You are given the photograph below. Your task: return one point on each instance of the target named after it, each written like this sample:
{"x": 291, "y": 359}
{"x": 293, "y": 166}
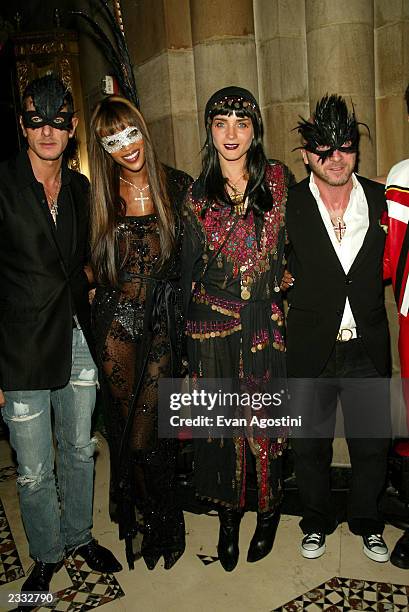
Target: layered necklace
{"x": 52, "y": 199}
{"x": 141, "y": 198}
{"x": 237, "y": 197}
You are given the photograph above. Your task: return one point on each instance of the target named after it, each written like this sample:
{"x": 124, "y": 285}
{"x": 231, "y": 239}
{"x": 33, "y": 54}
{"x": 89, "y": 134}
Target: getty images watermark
{"x": 302, "y": 408}
{"x": 211, "y": 407}
{"x": 228, "y": 401}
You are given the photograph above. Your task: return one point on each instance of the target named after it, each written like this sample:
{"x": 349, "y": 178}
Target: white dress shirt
{"x": 356, "y": 219}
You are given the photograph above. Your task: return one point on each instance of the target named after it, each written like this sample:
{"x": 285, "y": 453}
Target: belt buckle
{"x": 345, "y": 335}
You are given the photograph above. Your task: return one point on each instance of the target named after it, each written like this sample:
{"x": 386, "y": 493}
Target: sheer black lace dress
{"x": 138, "y": 332}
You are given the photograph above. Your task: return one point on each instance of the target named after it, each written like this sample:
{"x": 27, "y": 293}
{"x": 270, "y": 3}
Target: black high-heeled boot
{"x": 174, "y": 538}
{"x": 130, "y": 555}
{"x": 151, "y": 550}
{"x": 228, "y": 546}
{"x": 264, "y": 535}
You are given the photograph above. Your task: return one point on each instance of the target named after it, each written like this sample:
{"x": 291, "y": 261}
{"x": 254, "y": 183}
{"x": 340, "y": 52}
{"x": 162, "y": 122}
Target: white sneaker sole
{"x": 379, "y": 558}
{"x": 313, "y": 554}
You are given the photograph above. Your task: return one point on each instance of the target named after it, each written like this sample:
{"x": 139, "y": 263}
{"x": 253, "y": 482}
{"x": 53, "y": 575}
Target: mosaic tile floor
{"x": 207, "y": 559}
{"x": 10, "y": 564}
{"x": 89, "y": 589}
{"x": 342, "y": 594}
{"x": 198, "y": 583}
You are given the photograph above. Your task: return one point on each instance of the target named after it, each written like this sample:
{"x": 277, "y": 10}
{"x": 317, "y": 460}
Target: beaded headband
{"x": 231, "y": 99}
{"x": 232, "y": 105}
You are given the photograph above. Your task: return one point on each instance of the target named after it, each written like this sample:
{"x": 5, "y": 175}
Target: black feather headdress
{"x": 116, "y": 52}
{"x": 332, "y": 126}
{"x": 48, "y": 95}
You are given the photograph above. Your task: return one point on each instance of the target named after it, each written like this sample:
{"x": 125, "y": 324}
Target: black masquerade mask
{"x": 231, "y": 99}
{"x": 49, "y": 96}
{"x": 332, "y": 128}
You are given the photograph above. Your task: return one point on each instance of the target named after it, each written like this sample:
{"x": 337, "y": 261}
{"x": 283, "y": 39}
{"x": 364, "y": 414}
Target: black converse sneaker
{"x": 375, "y": 548}
{"x": 313, "y": 545}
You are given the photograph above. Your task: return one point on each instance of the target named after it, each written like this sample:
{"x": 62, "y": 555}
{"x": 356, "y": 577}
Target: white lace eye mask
{"x": 116, "y": 142}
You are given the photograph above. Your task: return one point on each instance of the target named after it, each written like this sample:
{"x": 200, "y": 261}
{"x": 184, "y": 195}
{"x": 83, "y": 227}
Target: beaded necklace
{"x": 241, "y": 248}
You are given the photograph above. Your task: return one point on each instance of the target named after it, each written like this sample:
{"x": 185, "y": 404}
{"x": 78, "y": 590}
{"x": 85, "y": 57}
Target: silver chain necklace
{"x": 52, "y": 200}
{"x": 141, "y": 198}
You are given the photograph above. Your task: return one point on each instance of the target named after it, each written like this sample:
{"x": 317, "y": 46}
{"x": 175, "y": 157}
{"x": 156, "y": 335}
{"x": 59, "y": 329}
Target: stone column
{"x": 223, "y": 47}
{"x": 340, "y": 50}
{"x": 391, "y": 79}
{"x": 282, "y": 76}
{"x": 161, "y": 46}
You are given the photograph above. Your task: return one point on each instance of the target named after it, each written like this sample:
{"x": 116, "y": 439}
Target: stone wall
{"x": 391, "y": 23}
{"x": 288, "y": 52}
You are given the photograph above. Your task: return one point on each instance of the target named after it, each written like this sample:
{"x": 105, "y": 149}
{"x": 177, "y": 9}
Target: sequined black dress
{"x": 235, "y": 329}
{"x": 138, "y": 333}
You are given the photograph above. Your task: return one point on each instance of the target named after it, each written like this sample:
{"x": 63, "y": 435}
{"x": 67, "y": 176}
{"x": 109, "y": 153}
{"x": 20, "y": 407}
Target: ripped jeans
{"x": 56, "y": 520}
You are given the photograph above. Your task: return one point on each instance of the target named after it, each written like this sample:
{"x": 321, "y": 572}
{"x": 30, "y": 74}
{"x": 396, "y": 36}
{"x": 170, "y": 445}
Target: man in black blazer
{"x": 45, "y": 361}
{"x": 337, "y": 331}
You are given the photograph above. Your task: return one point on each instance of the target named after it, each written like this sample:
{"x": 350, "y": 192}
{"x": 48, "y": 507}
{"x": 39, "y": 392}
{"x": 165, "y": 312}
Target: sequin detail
{"x": 236, "y": 281}
{"x": 203, "y": 330}
{"x": 131, "y": 361}
{"x": 226, "y": 307}
{"x": 240, "y": 248}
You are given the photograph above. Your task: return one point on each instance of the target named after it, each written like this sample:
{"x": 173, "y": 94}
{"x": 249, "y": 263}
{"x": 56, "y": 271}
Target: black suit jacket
{"x": 321, "y": 286}
{"x": 39, "y": 293}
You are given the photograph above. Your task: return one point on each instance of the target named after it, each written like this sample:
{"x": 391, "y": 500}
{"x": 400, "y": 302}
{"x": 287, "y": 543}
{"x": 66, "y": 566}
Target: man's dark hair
{"x": 407, "y": 98}
{"x": 48, "y": 94}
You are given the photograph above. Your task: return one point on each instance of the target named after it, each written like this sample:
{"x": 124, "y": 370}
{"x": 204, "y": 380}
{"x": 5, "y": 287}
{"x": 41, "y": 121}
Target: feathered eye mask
{"x": 332, "y": 127}
{"x": 48, "y": 96}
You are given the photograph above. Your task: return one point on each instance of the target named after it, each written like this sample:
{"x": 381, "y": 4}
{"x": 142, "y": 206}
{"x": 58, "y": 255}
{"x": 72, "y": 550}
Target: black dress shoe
{"x": 39, "y": 580}
{"x": 40, "y": 577}
{"x": 98, "y": 557}
{"x": 400, "y": 554}
{"x": 228, "y": 546}
{"x": 264, "y": 535}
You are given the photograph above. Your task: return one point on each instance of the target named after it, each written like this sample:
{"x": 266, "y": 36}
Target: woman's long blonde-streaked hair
{"x": 112, "y": 115}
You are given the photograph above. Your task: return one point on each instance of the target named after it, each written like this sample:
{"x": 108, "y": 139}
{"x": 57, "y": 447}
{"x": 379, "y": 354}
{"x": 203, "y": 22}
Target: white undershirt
{"x": 356, "y": 220}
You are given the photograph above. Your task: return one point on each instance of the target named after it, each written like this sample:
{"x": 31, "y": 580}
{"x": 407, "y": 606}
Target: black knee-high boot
{"x": 151, "y": 549}
{"x": 264, "y": 535}
{"x": 228, "y": 546}
{"x": 173, "y": 536}
{"x": 166, "y": 525}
